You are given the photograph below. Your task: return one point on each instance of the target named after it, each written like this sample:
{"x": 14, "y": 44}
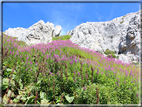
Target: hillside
{"x": 61, "y": 72}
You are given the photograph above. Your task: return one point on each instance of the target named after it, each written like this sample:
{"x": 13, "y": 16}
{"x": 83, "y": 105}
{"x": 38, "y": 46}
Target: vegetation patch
{"x": 121, "y": 22}
{"x": 61, "y": 72}
{"x": 107, "y": 52}
{"x": 112, "y": 56}
{"x": 65, "y": 37}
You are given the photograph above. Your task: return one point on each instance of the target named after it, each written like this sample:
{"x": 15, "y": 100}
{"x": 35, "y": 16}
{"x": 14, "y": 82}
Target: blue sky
{"x": 67, "y": 15}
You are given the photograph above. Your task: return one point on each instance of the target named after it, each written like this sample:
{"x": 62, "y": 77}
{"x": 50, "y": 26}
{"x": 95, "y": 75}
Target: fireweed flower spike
{"x": 126, "y": 73}
{"x": 84, "y": 88}
{"x": 131, "y": 73}
{"x": 71, "y": 62}
{"x": 30, "y": 62}
{"x": 137, "y": 94}
{"x": 27, "y": 57}
{"x": 58, "y": 73}
{"x": 86, "y": 76}
{"x": 78, "y": 73}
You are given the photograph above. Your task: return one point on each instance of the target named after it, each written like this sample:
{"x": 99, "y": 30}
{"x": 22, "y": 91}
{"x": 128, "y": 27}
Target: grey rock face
{"x": 121, "y": 35}
{"x": 57, "y": 31}
{"x": 40, "y": 32}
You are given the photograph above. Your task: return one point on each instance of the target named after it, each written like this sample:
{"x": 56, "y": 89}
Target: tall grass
{"x": 61, "y": 72}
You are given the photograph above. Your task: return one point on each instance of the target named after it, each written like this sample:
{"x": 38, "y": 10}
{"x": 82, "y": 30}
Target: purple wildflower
{"x": 137, "y": 94}
{"x": 30, "y": 62}
{"x": 31, "y": 69}
{"x": 74, "y": 72}
{"x": 71, "y": 62}
{"x": 63, "y": 58}
{"x": 137, "y": 79}
{"x": 124, "y": 81}
{"x": 97, "y": 70}
{"x": 78, "y": 73}
{"x": 130, "y": 72}
{"x": 126, "y": 74}
{"x": 75, "y": 61}
{"x": 106, "y": 68}
{"x": 8, "y": 39}
{"x": 86, "y": 76}
{"x": 58, "y": 73}
{"x": 49, "y": 72}
{"x": 84, "y": 88}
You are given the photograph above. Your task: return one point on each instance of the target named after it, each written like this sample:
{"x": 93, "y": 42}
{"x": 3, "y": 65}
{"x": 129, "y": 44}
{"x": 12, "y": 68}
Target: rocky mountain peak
{"x": 39, "y": 32}
{"x": 121, "y": 35}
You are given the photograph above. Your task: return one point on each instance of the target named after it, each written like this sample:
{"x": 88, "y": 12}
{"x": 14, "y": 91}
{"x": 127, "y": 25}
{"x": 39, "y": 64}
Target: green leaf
{"x": 20, "y": 84}
{"x": 5, "y": 83}
{"x": 39, "y": 81}
{"x": 30, "y": 100}
{"x": 23, "y": 98}
{"x": 5, "y": 99}
{"x": 45, "y": 101}
{"x": 69, "y": 99}
{"x": 9, "y": 69}
{"x": 16, "y": 100}
{"x": 43, "y": 95}
{"x": 13, "y": 76}
{"x": 9, "y": 92}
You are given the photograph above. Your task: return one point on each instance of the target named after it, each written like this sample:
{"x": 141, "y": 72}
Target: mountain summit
{"x": 121, "y": 35}
{"x": 39, "y": 32}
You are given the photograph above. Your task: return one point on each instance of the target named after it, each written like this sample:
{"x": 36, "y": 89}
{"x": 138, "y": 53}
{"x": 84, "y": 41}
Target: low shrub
{"x": 107, "y": 52}
{"x": 65, "y": 37}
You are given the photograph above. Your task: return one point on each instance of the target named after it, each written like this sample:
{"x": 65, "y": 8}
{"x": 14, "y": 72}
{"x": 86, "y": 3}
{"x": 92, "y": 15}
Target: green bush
{"x": 65, "y": 37}
{"x": 112, "y": 56}
{"x": 107, "y": 52}
{"x": 121, "y": 22}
